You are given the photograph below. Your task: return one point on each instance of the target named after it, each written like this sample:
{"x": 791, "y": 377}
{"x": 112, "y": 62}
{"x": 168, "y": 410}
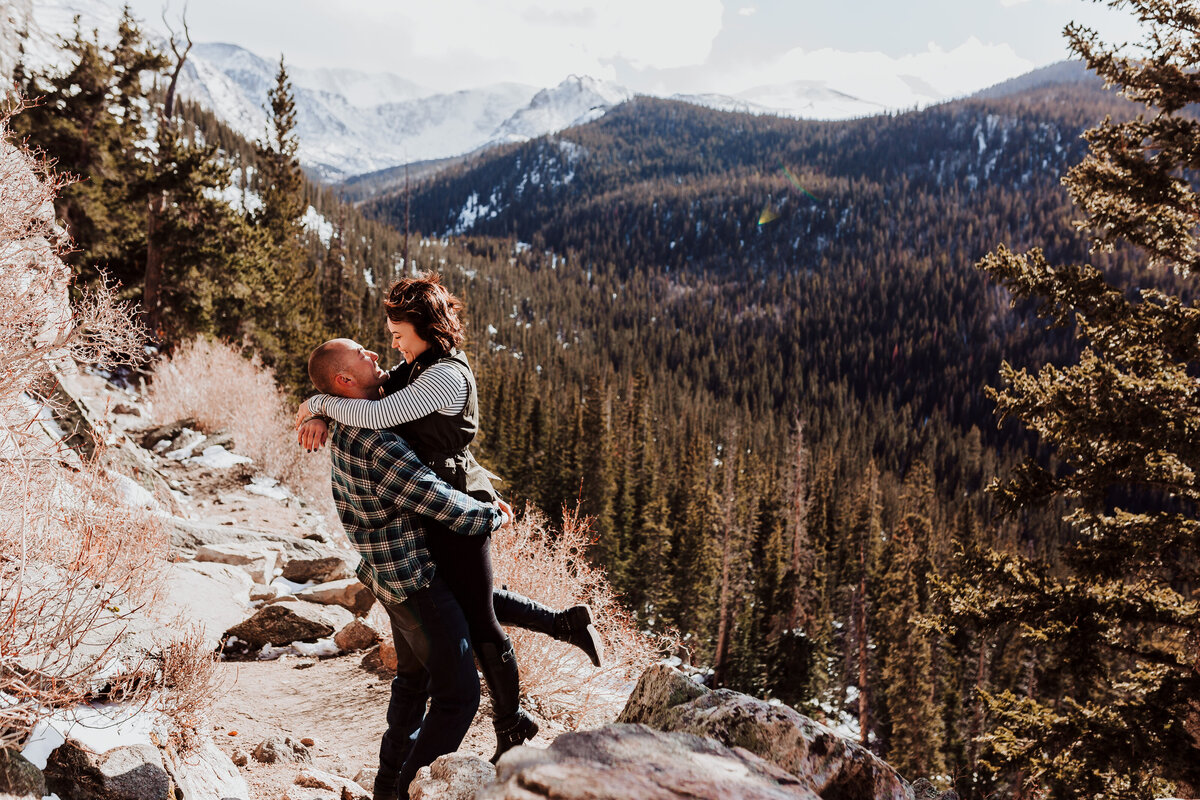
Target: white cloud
{"x": 746, "y": 11}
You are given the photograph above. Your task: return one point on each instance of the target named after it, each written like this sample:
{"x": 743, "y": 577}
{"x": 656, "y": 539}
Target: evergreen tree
{"x": 1115, "y": 616}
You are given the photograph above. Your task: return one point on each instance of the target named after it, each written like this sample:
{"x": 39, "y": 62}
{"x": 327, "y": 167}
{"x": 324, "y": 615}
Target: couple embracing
{"x": 420, "y": 511}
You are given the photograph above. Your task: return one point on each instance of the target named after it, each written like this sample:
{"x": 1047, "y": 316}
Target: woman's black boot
{"x": 513, "y": 726}
{"x": 574, "y": 626}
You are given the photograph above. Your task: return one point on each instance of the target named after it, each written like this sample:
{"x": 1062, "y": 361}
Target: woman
{"x": 431, "y": 401}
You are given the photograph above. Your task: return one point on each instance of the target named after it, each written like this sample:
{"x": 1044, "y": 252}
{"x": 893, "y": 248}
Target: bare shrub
{"x": 223, "y": 390}
{"x": 192, "y": 679}
{"x": 549, "y": 566}
{"x": 72, "y": 560}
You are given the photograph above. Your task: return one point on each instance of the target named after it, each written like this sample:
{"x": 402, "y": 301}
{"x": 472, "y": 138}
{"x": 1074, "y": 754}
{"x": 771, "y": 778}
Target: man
{"x": 381, "y": 488}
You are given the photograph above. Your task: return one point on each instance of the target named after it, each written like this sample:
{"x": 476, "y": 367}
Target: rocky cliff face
{"x": 677, "y": 739}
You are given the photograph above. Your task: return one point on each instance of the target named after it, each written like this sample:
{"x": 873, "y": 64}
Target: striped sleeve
{"x": 441, "y": 389}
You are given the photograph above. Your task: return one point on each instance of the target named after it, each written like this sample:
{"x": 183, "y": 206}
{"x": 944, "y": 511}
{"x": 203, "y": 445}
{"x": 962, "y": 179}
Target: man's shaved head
{"x": 327, "y": 361}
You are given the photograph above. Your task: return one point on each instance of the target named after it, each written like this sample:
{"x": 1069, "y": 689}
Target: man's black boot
{"x": 574, "y": 626}
{"x": 513, "y": 726}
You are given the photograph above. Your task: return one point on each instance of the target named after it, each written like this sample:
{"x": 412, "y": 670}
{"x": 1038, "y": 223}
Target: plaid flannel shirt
{"x": 381, "y": 490}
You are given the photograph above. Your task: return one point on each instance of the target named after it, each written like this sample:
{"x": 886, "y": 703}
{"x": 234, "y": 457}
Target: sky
{"x": 656, "y": 46}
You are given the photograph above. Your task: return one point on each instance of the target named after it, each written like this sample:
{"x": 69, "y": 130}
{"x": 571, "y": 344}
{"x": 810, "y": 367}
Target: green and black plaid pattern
{"x": 381, "y": 489}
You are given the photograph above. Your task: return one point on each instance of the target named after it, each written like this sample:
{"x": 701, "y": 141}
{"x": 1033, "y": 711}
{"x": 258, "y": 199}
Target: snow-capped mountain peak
{"x": 578, "y": 99}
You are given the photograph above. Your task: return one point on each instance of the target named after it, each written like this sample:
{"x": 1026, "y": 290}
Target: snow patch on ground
{"x": 321, "y": 647}
{"x": 99, "y": 726}
{"x": 267, "y": 487}
{"x": 217, "y": 457}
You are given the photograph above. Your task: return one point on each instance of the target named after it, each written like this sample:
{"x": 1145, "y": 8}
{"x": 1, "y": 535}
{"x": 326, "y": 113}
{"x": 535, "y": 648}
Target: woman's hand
{"x": 302, "y": 414}
{"x": 312, "y": 434}
{"x": 506, "y": 511}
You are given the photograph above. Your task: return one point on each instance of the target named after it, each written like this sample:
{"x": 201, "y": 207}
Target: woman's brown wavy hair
{"x": 428, "y": 306}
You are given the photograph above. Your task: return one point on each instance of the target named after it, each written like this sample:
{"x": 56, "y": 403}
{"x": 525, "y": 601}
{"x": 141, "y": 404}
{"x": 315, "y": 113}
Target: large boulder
{"x": 205, "y": 773}
{"x": 348, "y": 593}
{"x": 212, "y": 596}
{"x": 132, "y": 772}
{"x": 622, "y": 761}
{"x": 358, "y": 635}
{"x": 188, "y": 536}
{"x": 454, "y": 776}
{"x": 828, "y": 765}
{"x": 19, "y": 779}
{"x": 290, "y": 621}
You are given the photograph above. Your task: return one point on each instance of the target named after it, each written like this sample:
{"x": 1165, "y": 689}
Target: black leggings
{"x": 465, "y": 564}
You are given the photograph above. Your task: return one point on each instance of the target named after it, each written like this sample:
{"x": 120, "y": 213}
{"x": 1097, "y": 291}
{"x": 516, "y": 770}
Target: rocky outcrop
{"x": 288, "y": 621}
{"x": 828, "y": 765}
{"x": 623, "y": 761}
{"x": 256, "y": 559}
{"x": 212, "y": 596}
{"x": 331, "y": 785}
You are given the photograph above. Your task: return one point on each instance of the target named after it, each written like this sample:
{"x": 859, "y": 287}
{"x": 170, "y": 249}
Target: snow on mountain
{"x": 573, "y": 102}
{"x": 811, "y": 100}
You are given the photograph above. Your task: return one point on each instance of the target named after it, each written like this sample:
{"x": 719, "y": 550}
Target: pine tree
{"x": 1115, "y": 617}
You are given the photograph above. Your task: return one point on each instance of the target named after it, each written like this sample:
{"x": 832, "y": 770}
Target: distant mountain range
{"x": 353, "y": 123}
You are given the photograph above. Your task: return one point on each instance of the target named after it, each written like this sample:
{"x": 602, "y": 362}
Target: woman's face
{"x": 405, "y": 339}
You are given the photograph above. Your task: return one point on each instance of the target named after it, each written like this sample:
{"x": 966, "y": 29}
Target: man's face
{"x": 358, "y": 371}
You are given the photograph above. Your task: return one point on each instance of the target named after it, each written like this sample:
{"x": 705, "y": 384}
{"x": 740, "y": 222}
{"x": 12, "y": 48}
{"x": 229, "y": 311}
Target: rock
{"x": 454, "y": 776}
{"x": 358, "y": 635}
{"x": 387, "y": 655}
{"x": 170, "y": 431}
{"x": 213, "y": 596}
{"x": 239, "y": 757}
{"x": 265, "y": 592}
{"x": 20, "y": 779}
{"x": 827, "y": 764}
{"x": 288, "y": 621}
{"x": 348, "y": 593}
{"x": 279, "y": 749}
{"x": 343, "y": 788}
{"x": 624, "y": 761}
{"x": 258, "y": 560}
{"x": 206, "y": 773}
{"x": 366, "y": 778}
{"x": 923, "y": 789}
{"x": 127, "y": 409}
{"x": 132, "y": 772}
{"x": 330, "y": 566}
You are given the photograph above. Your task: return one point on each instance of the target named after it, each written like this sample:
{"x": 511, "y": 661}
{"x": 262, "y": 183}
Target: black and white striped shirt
{"x": 440, "y": 389}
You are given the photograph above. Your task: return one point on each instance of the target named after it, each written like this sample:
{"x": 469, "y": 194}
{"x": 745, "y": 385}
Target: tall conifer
{"x": 1117, "y": 618}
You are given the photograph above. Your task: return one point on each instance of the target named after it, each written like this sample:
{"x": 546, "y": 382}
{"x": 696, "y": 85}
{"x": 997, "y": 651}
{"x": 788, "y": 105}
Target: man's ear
{"x": 342, "y": 380}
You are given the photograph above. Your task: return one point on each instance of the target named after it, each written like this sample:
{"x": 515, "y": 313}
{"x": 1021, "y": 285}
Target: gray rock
{"x": 206, "y": 773}
{"x": 283, "y": 749}
{"x": 189, "y": 536}
{"x": 829, "y": 765}
{"x": 348, "y": 593}
{"x": 328, "y": 566}
{"x": 127, "y": 409}
{"x": 626, "y": 761}
{"x": 19, "y": 779}
{"x": 454, "y": 776}
{"x": 358, "y": 635}
{"x": 132, "y": 772}
{"x": 342, "y": 788}
{"x": 288, "y": 621}
{"x": 213, "y": 596}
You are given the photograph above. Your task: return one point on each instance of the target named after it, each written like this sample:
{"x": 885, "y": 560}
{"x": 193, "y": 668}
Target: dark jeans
{"x": 465, "y": 564}
{"x": 434, "y": 662}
